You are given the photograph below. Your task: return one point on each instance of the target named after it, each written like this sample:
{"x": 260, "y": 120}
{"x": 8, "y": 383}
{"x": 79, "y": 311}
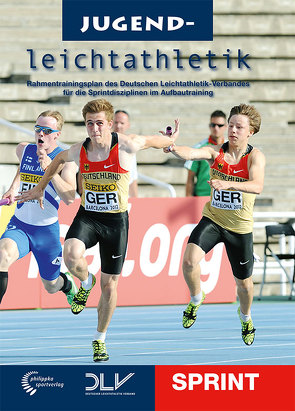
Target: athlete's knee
{"x": 109, "y": 289}
{"x": 51, "y": 286}
{"x": 245, "y": 286}
{"x": 192, "y": 257}
{"x": 190, "y": 263}
{"x": 7, "y": 257}
{"x": 71, "y": 255}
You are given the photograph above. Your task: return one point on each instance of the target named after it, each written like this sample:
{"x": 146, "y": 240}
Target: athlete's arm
{"x": 256, "y": 177}
{"x": 190, "y": 184}
{"x": 190, "y": 153}
{"x": 16, "y": 181}
{"x": 135, "y": 142}
{"x": 13, "y": 187}
{"x": 55, "y": 167}
{"x": 65, "y": 183}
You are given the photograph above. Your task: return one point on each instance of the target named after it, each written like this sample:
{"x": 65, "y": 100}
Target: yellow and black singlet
{"x": 105, "y": 183}
{"x": 231, "y": 209}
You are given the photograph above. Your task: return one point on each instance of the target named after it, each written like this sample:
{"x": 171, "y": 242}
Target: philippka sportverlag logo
{"x": 152, "y": 20}
{"x": 32, "y": 381}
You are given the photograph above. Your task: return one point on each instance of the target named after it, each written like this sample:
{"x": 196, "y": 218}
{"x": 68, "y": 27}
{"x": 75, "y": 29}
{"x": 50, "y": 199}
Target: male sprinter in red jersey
{"x": 104, "y": 159}
{"x": 236, "y": 176}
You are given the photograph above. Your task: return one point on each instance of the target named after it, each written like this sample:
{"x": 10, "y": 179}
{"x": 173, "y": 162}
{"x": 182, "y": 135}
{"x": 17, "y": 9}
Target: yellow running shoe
{"x": 190, "y": 313}
{"x": 74, "y": 289}
{"x": 80, "y": 299}
{"x": 99, "y": 351}
{"x": 248, "y": 330}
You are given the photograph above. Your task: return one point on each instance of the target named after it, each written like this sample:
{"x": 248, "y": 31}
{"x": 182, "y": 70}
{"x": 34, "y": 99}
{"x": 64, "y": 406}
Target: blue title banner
{"x": 85, "y": 387}
{"x": 152, "y": 20}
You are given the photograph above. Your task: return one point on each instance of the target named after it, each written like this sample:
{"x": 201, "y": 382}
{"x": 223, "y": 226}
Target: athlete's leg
{"x": 53, "y": 286}
{"x": 8, "y": 255}
{"x": 191, "y": 268}
{"x": 202, "y": 239}
{"x": 245, "y": 291}
{"x": 14, "y": 244}
{"x": 108, "y": 300}
{"x": 239, "y": 248}
{"x": 74, "y": 259}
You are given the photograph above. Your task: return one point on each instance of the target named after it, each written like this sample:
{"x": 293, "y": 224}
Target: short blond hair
{"x": 251, "y": 112}
{"x": 96, "y": 106}
{"x": 55, "y": 114}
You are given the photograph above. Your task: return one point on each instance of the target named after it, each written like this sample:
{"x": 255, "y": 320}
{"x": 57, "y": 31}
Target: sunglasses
{"x": 46, "y": 130}
{"x": 218, "y": 125}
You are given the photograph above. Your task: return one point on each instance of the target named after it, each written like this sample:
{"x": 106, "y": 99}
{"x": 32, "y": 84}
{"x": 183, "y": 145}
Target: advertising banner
{"x": 159, "y": 230}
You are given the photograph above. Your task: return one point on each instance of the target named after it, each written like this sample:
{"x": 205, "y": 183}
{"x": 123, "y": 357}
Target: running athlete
{"x": 33, "y": 229}
{"x": 104, "y": 160}
{"x": 236, "y": 176}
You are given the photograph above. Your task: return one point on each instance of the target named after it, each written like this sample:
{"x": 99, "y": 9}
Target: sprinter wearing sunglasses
{"x": 30, "y": 228}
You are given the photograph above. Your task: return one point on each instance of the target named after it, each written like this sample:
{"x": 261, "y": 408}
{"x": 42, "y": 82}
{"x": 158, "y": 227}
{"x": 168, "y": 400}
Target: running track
{"x": 150, "y": 335}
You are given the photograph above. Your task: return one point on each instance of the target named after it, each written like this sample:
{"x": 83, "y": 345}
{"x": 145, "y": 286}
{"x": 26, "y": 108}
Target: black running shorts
{"x": 239, "y": 247}
{"x": 110, "y": 230}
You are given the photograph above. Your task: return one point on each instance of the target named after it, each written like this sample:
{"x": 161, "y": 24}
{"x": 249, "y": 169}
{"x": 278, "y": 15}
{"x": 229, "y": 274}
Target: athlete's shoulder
{"x": 257, "y": 155}
{"x": 20, "y": 148}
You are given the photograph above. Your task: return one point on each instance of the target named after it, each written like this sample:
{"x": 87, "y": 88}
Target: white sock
{"x": 86, "y": 284}
{"x": 100, "y": 336}
{"x": 196, "y": 299}
{"x": 244, "y": 317}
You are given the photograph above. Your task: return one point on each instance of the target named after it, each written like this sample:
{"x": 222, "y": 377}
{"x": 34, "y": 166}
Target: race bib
{"x": 227, "y": 200}
{"x": 101, "y": 198}
{"x": 29, "y": 181}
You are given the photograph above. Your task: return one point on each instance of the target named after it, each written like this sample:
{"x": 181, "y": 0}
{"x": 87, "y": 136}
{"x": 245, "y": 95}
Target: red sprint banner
{"x": 225, "y": 388}
{"x": 152, "y": 273}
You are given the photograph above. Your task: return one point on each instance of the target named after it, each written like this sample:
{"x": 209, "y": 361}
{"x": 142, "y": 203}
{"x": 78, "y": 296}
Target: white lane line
{"x": 207, "y": 349}
{"x": 87, "y": 346}
{"x": 243, "y": 359}
{"x": 191, "y": 339}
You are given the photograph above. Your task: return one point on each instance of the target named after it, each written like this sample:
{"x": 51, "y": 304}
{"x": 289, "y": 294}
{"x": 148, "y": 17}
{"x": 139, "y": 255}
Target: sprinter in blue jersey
{"x": 34, "y": 229}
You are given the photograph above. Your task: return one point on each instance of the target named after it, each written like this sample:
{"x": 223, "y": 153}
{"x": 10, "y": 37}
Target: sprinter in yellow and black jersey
{"x": 236, "y": 176}
{"x": 104, "y": 160}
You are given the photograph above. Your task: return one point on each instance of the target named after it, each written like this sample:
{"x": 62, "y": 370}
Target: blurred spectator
{"x": 198, "y": 171}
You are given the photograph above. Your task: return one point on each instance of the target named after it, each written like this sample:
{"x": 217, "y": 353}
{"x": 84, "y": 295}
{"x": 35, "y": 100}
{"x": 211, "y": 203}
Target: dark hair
{"x": 218, "y": 113}
{"x": 121, "y": 111}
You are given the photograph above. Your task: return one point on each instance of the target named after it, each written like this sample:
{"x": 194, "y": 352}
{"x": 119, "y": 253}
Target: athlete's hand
{"x": 43, "y": 158}
{"x": 219, "y": 184}
{"x": 175, "y": 135}
{"x": 10, "y": 195}
{"x": 35, "y": 193}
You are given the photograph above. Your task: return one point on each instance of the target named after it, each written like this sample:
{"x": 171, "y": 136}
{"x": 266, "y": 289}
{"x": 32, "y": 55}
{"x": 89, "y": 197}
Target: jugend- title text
{"x": 157, "y": 60}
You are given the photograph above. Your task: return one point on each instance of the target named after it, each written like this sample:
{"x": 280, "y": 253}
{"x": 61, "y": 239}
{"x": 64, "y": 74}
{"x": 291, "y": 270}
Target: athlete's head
{"x": 249, "y": 111}
{"x": 121, "y": 121}
{"x": 54, "y": 114}
{"x": 96, "y": 106}
{"x": 48, "y": 129}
